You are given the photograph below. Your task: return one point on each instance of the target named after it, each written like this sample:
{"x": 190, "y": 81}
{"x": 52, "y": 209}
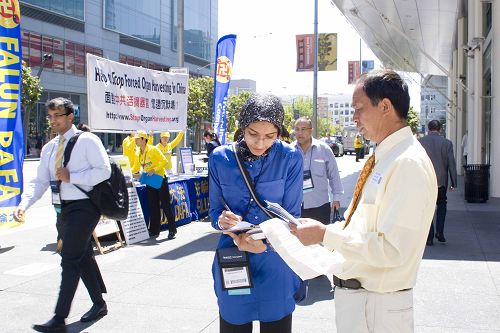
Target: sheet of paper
{"x": 281, "y": 212}
{"x": 306, "y": 261}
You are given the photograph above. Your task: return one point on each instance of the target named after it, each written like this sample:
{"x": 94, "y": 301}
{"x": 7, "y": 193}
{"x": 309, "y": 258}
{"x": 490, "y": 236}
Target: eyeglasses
{"x": 56, "y": 116}
{"x": 303, "y": 129}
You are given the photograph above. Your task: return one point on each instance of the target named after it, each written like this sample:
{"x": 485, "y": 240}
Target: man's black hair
{"x": 61, "y": 103}
{"x": 386, "y": 83}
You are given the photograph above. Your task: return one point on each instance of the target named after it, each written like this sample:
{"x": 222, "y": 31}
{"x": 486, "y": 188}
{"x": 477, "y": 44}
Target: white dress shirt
{"x": 383, "y": 244}
{"x": 88, "y": 166}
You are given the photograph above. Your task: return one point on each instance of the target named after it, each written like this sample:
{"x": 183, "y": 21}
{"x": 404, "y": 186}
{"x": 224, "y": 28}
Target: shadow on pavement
{"x": 470, "y": 236}
{"x": 203, "y": 244}
{"x": 319, "y": 290}
{"x": 51, "y": 247}
{"x": 6, "y": 249}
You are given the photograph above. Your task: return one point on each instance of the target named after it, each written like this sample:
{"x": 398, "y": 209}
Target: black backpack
{"x": 111, "y": 195}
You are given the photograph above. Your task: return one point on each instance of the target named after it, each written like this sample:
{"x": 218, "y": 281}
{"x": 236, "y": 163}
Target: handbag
{"x": 303, "y": 289}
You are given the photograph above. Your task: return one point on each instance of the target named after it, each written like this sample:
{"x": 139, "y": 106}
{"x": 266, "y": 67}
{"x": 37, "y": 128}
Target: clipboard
{"x": 154, "y": 180}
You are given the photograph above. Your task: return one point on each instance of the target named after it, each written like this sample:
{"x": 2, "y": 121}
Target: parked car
{"x": 348, "y": 140}
{"x": 335, "y": 145}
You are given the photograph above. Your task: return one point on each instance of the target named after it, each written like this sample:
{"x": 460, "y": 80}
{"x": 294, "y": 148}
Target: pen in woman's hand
{"x": 223, "y": 202}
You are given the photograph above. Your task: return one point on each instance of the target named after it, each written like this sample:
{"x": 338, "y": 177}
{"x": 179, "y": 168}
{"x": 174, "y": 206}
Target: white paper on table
{"x": 306, "y": 261}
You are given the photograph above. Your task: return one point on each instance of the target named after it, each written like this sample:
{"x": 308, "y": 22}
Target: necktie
{"x": 60, "y": 152}
{"x": 363, "y": 176}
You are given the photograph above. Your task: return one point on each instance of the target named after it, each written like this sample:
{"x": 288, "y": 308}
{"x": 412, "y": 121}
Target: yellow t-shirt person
{"x": 150, "y": 159}
{"x": 357, "y": 142}
{"x": 129, "y": 147}
{"x": 168, "y": 147}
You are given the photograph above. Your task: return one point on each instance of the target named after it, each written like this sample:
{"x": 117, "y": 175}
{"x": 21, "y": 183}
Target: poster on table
{"x": 187, "y": 161}
{"x": 122, "y": 97}
{"x": 198, "y": 197}
{"x": 134, "y": 227}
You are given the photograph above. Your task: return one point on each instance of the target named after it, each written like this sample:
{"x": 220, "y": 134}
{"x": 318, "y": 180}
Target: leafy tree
{"x": 30, "y": 95}
{"x": 412, "y": 120}
{"x": 234, "y": 105}
{"x": 199, "y": 109}
{"x": 200, "y": 100}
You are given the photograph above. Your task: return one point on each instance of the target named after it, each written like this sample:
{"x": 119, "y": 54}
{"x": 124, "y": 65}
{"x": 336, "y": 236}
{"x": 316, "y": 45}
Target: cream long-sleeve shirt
{"x": 383, "y": 245}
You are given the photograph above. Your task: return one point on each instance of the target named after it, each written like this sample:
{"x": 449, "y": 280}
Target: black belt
{"x": 349, "y": 284}
{"x": 67, "y": 202}
{"x": 352, "y": 284}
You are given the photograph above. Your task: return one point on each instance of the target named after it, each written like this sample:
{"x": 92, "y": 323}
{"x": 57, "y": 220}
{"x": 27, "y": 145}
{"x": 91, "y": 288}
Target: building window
{"x": 67, "y": 56}
{"x": 133, "y": 61}
{"x": 72, "y": 8}
{"x": 137, "y": 18}
{"x": 197, "y": 28}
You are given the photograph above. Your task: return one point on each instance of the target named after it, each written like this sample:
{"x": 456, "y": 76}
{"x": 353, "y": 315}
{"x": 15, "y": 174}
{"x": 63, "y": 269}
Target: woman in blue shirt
{"x": 275, "y": 168}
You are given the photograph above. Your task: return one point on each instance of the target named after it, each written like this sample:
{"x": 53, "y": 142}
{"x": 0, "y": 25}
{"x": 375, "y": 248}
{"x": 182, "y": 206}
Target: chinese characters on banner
{"x": 123, "y": 97}
{"x": 11, "y": 127}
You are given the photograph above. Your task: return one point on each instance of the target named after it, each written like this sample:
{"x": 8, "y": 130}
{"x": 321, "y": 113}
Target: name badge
{"x": 56, "y": 195}
{"x": 235, "y": 269}
{"x": 308, "y": 184}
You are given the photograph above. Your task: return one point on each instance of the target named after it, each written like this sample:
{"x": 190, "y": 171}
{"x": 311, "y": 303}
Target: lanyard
{"x": 144, "y": 159}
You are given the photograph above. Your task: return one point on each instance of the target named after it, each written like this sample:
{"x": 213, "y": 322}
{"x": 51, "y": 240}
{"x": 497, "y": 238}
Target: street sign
{"x": 179, "y": 70}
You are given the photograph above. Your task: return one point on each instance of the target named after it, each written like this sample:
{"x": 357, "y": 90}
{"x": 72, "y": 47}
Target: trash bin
{"x": 477, "y": 179}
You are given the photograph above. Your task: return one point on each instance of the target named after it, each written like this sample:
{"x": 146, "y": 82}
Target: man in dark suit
{"x": 440, "y": 151}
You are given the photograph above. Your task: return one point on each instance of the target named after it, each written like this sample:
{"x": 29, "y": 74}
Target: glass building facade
{"x": 71, "y": 8}
{"x": 136, "y": 18}
{"x": 135, "y": 32}
{"x": 197, "y": 32}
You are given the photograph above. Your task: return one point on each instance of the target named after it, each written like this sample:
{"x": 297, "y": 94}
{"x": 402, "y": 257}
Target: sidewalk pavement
{"x": 166, "y": 286}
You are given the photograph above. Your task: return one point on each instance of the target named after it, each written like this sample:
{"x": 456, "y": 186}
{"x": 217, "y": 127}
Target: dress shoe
{"x": 95, "y": 312}
{"x": 430, "y": 243}
{"x": 52, "y": 326}
{"x": 440, "y": 237}
{"x": 153, "y": 235}
{"x": 171, "y": 234}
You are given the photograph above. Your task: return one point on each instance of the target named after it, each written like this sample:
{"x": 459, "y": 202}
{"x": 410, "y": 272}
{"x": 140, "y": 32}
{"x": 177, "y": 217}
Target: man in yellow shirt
{"x": 358, "y": 146}
{"x": 166, "y": 147}
{"x": 128, "y": 147}
{"x": 150, "y": 160}
{"x": 379, "y": 247}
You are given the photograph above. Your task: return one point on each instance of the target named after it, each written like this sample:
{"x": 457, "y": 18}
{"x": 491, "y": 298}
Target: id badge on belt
{"x": 234, "y": 268}
{"x": 56, "y": 194}
{"x": 308, "y": 184}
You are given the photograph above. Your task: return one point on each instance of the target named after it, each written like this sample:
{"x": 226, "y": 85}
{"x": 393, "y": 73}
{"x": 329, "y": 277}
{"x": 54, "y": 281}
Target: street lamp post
{"x": 46, "y": 57}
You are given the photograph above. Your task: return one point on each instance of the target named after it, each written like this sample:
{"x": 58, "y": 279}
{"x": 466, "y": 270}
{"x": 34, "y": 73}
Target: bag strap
{"x": 69, "y": 148}
{"x": 67, "y": 155}
{"x": 248, "y": 182}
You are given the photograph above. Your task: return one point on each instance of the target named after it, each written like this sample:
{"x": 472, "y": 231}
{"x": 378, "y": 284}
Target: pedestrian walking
{"x": 274, "y": 170}
{"x": 378, "y": 248}
{"x": 358, "y": 147}
{"x": 211, "y": 142}
{"x": 440, "y": 151}
{"x": 321, "y": 173}
{"x": 89, "y": 165}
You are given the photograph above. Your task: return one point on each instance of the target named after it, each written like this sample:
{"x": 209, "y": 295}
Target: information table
{"x": 188, "y": 198}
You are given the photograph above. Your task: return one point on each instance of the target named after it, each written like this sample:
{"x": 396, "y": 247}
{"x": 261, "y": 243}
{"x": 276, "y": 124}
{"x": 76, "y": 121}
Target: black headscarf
{"x": 258, "y": 108}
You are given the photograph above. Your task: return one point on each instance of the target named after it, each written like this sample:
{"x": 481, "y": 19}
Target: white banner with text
{"x": 123, "y": 97}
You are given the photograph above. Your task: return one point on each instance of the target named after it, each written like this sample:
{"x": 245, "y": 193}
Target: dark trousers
{"x": 155, "y": 197}
{"x": 77, "y": 221}
{"x": 440, "y": 213}
{"x": 284, "y": 325}
{"x": 358, "y": 153}
{"x": 321, "y": 213}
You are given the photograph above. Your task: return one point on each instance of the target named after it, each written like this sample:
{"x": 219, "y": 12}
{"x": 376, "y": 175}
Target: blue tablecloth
{"x": 188, "y": 198}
